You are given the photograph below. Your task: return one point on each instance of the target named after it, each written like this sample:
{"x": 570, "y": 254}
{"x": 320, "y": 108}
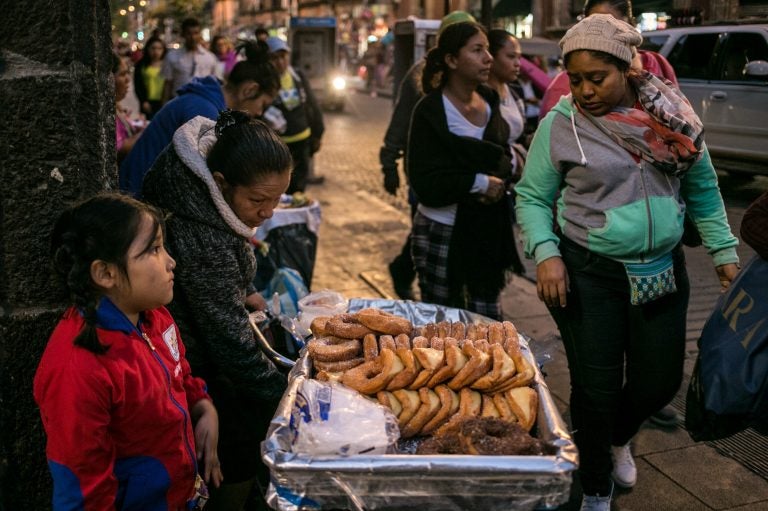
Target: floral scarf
{"x": 666, "y": 133}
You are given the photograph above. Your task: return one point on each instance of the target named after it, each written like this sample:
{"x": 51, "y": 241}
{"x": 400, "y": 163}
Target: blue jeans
{"x": 625, "y": 361}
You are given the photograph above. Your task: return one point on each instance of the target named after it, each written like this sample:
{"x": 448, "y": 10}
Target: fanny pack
{"x": 650, "y": 281}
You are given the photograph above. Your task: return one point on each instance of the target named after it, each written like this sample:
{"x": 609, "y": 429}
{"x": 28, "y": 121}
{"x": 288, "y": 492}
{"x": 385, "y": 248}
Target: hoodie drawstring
{"x": 578, "y": 142}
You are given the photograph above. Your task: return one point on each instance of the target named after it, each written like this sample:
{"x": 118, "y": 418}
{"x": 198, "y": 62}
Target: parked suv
{"x": 723, "y": 70}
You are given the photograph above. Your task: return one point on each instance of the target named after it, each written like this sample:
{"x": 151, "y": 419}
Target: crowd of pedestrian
{"x": 154, "y": 368}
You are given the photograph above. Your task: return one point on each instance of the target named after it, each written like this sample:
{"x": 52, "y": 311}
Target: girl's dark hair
{"x": 452, "y": 39}
{"x": 145, "y": 59}
{"x": 497, "y": 39}
{"x": 623, "y": 6}
{"x": 246, "y": 150}
{"x": 256, "y": 67}
{"x": 621, "y": 65}
{"x": 115, "y": 62}
{"x": 100, "y": 228}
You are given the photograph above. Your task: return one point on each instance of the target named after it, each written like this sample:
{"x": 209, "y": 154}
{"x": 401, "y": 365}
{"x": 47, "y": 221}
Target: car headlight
{"x": 339, "y": 83}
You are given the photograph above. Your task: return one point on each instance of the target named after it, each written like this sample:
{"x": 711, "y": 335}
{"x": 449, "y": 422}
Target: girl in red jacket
{"x": 120, "y": 408}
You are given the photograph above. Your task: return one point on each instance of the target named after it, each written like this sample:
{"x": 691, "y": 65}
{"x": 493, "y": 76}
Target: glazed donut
{"x": 347, "y": 326}
{"x": 337, "y": 367}
{"x": 318, "y": 326}
{"x": 492, "y": 436}
{"x": 370, "y": 347}
{"x": 332, "y": 349}
{"x": 384, "y": 322}
{"x": 371, "y": 377}
{"x": 449, "y": 405}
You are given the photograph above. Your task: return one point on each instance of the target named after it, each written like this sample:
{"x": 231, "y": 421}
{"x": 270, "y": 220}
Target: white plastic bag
{"x": 331, "y": 419}
{"x": 321, "y": 303}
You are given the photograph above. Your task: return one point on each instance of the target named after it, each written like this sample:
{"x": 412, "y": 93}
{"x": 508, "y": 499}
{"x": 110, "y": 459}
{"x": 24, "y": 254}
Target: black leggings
{"x": 625, "y": 361}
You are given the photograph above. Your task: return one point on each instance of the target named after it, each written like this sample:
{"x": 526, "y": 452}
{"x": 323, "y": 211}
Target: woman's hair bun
{"x": 228, "y": 118}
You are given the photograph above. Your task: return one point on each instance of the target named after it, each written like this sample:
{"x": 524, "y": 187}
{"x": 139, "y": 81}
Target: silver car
{"x": 723, "y": 70}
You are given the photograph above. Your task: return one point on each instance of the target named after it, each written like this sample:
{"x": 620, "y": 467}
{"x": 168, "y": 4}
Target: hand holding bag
{"x": 729, "y": 387}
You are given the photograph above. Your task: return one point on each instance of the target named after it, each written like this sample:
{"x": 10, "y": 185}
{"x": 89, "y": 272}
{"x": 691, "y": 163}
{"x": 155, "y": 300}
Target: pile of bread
{"x": 427, "y": 375}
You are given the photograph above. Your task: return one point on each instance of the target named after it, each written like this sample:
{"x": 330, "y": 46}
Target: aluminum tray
{"x": 441, "y": 482}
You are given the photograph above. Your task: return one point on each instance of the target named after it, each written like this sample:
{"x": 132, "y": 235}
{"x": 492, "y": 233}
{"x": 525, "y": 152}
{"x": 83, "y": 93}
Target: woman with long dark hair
{"x": 148, "y": 78}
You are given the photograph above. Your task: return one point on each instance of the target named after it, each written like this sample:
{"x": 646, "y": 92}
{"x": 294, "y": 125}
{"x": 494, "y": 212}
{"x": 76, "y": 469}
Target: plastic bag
{"x": 332, "y": 419}
{"x": 290, "y": 246}
{"x": 321, "y": 303}
{"x": 290, "y": 288}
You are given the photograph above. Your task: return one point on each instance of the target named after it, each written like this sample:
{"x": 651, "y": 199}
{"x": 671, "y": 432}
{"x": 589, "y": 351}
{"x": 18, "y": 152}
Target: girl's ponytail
{"x": 256, "y": 67}
{"x": 433, "y": 77}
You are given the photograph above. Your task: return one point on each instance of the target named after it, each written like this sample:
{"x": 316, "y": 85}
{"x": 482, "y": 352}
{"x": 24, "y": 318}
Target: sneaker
{"x": 596, "y": 502}
{"x": 667, "y": 417}
{"x": 624, "y": 470}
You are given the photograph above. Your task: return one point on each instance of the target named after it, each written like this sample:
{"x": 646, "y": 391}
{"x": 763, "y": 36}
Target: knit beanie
{"x": 602, "y": 32}
{"x": 454, "y": 17}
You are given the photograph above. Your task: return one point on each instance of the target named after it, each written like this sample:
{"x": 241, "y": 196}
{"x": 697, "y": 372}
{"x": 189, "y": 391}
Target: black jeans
{"x": 300, "y": 154}
{"x": 625, "y": 361}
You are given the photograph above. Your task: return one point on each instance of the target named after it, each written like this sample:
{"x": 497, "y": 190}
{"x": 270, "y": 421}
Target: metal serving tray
{"x": 403, "y": 481}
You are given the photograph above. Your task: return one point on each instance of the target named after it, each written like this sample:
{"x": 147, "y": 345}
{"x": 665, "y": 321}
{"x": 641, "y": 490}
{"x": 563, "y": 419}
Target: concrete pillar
{"x": 56, "y": 146}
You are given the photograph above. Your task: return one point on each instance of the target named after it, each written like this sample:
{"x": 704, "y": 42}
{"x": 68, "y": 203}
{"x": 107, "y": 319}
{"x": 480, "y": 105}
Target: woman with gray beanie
{"x": 621, "y": 158}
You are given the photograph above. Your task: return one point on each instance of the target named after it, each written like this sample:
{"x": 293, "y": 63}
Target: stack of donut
{"x": 429, "y": 375}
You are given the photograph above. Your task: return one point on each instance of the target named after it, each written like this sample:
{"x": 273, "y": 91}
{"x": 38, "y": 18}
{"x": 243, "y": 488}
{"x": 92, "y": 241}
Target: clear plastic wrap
{"x": 405, "y": 481}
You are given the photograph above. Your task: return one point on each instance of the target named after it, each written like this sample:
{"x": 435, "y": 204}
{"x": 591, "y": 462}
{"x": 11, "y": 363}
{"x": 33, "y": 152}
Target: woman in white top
{"x": 458, "y": 164}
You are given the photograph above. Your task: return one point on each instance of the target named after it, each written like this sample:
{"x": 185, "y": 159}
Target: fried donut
{"x": 347, "y": 326}
{"x": 510, "y": 332}
{"x": 437, "y": 343}
{"x": 478, "y": 364}
{"x": 444, "y": 329}
{"x": 411, "y": 369}
{"x": 384, "y": 322}
{"x": 454, "y": 361}
{"x": 332, "y": 349}
{"x": 471, "y": 332}
{"x": 390, "y": 401}
{"x": 329, "y": 376}
{"x": 420, "y": 342}
{"x": 491, "y": 436}
{"x": 502, "y": 405}
{"x": 431, "y": 360}
{"x": 338, "y": 367}
{"x": 470, "y": 402}
{"x": 458, "y": 330}
{"x": 449, "y": 405}
{"x": 370, "y": 347}
{"x": 429, "y": 331}
{"x": 430, "y": 405}
{"x": 482, "y": 331}
{"x": 388, "y": 342}
{"x": 371, "y": 377}
{"x": 503, "y": 369}
{"x": 489, "y": 408}
{"x": 402, "y": 341}
{"x": 524, "y": 370}
{"x": 409, "y": 399}
{"x": 496, "y": 333}
{"x": 318, "y": 326}
{"x": 524, "y": 403}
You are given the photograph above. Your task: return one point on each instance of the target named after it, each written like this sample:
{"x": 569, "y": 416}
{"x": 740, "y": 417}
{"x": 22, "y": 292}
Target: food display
{"x": 435, "y": 377}
{"x": 468, "y": 420}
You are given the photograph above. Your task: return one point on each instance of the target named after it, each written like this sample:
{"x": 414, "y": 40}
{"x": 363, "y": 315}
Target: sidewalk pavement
{"x": 360, "y": 234}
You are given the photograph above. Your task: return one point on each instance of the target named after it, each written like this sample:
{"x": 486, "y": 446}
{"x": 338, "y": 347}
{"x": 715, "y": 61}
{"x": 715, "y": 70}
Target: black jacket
{"x": 441, "y": 168}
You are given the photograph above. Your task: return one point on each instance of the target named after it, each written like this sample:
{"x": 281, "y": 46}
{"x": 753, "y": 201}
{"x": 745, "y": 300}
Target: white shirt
{"x": 181, "y": 65}
{"x": 511, "y": 112}
{"x": 459, "y": 125}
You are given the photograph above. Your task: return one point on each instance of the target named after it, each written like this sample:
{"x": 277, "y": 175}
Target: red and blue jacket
{"x": 118, "y": 425}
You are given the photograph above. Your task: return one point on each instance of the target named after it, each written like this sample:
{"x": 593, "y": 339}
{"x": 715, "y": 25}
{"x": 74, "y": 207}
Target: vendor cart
{"x": 405, "y": 481}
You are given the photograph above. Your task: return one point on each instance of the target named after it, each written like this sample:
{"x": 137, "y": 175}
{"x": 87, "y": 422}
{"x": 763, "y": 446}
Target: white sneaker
{"x": 624, "y": 470}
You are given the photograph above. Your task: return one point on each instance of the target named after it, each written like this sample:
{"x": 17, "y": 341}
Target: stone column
{"x": 56, "y": 146}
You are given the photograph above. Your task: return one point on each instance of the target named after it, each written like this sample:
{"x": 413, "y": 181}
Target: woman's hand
{"x": 255, "y": 302}
{"x": 552, "y": 282}
{"x": 495, "y": 191}
{"x": 207, "y": 440}
{"x": 726, "y": 273}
